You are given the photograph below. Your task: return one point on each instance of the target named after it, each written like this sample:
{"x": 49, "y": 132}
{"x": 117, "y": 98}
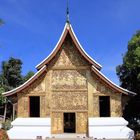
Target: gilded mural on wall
{"x": 81, "y": 122}
{"x": 68, "y": 55}
{"x": 57, "y": 122}
{"x": 69, "y": 101}
{"x": 69, "y": 79}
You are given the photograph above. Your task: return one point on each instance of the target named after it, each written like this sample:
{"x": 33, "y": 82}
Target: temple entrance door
{"x": 69, "y": 123}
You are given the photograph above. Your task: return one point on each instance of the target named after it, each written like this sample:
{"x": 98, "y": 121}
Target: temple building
{"x": 69, "y": 88}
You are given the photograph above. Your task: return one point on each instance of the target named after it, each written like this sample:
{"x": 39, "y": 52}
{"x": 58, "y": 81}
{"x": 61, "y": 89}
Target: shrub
{"x": 3, "y": 135}
{"x": 6, "y": 125}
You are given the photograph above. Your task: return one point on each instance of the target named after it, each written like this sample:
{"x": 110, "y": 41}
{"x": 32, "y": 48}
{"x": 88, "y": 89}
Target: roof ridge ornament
{"x": 67, "y": 13}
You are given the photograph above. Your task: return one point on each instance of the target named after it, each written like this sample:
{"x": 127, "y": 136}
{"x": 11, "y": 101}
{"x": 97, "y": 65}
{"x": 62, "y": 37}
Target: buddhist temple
{"x": 69, "y": 91}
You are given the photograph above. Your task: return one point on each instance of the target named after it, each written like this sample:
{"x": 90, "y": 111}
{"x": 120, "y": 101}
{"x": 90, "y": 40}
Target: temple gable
{"x": 68, "y": 56}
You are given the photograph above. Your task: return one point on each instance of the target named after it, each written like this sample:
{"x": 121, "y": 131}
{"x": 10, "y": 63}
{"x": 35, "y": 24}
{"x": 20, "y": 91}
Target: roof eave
{"x": 113, "y": 85}
{"x": 27, "y": 83}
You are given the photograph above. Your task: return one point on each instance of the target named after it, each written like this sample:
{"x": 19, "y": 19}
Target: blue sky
{"x": 33, "y": 27}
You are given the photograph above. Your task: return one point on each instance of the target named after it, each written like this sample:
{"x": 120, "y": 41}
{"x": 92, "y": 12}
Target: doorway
{"x": 104, "y": 105}
{"x": 34, "y": 106}
{"x": 69, "y": 122}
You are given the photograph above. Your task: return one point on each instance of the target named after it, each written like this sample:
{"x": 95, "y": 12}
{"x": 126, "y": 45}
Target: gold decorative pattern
{"x": 68, "y": 55}
{"x": 69, "y": 79}
{"x": 69, "y": 101}
{"x": 57, "y": 122}
{"x": 42, "y": 106}
{"x": 81, "y": 122}
{"x": 95, "y": 109}
{"x": 23, "y": 106}
{"x": 37, "y": 87}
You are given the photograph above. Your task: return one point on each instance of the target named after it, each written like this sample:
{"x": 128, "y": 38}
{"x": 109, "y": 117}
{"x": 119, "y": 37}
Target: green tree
{"x": 28, "y": 76}
{"x": 11, "y": 74}
{"x": 1, "y": 87}
{"x": 11, "y": 77}
{"x": 129, "y": 75}
{"x": 2, "y": 99}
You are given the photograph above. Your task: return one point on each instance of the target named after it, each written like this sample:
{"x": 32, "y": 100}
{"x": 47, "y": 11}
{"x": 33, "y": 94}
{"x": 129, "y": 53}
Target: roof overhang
{"x": 111, "y": 84}
{"x": 26, "y": 84}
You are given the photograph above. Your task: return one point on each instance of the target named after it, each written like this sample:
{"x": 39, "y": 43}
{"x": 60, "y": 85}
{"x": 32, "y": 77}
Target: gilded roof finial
{"x": 67, "y": 13}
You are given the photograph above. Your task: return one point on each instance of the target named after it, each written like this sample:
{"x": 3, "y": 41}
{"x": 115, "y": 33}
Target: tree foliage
{"x": 28, "y": 76}
{"x": 129, "y": 75}
{"x": 2, "y": 99}
{"x": 11, "y": 75}
{"x": 129, "y": 71}
{"x": 1, "y": 87}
